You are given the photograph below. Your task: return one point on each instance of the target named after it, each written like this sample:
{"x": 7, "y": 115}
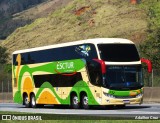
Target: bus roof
{"x": 93, "y": 41}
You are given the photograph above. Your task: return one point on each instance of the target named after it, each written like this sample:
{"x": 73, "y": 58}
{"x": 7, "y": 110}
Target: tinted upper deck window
{"x": 118, "y": 52}
{"x": 86, "y": 51}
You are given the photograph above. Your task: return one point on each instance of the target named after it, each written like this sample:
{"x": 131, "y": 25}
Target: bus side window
{"x": 95, "y": 74}
{"x": 15, "y": 63}
{"x": 14, "y": 60}
{"x": 98, "y": 77}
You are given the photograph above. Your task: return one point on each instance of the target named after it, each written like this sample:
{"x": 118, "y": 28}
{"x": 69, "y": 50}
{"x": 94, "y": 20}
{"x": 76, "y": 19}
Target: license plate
{"x": 126, "y": 101}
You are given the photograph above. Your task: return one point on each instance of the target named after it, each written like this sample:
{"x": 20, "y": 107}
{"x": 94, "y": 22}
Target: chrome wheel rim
{"x": 75, "y": 100}
{"x": 33, "y": 101}
{"x": 26, "y": 100}
{"x": 85, "y": 100}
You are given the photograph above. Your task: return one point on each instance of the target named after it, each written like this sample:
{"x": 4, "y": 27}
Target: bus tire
{"x": 74, "y": 101}
{"x": 33, "y": 101}
{"x": 26, "y": 101}
{"x": 85, "y": 101}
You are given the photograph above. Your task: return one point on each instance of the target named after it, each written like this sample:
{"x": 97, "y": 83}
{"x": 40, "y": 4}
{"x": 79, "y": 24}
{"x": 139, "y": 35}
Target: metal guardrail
{"x": 6, "y": 91}
{"x": 153, "y": 79}
{"x": 151, "y": 94}
{"x": 6, "y": 97}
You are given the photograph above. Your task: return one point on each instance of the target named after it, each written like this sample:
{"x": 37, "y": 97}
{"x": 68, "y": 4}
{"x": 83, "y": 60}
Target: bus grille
{"x": 125, "y": 97}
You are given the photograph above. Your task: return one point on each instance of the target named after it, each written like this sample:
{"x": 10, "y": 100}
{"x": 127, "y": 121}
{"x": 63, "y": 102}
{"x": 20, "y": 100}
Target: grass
{"x": 86, "y": 121}
{"x": 72, "y": 118}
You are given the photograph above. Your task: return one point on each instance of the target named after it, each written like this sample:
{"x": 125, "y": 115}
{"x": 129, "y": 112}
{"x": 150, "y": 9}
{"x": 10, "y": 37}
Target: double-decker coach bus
{"x": 102, "y": 71}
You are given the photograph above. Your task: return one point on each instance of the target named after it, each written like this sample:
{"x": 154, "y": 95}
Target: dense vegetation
{"x": 5, "y": 68}
{"x": 151, "y": 47}
{"x": 7, "y": 9}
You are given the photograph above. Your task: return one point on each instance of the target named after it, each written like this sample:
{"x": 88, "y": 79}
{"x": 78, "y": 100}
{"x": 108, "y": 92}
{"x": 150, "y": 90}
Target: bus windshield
{"x": 124, "y": 77}
{"x": 118, "y": 52}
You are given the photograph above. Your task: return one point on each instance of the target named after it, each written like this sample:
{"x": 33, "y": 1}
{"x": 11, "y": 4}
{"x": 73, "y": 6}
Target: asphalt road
{"x": 129, "y": 111}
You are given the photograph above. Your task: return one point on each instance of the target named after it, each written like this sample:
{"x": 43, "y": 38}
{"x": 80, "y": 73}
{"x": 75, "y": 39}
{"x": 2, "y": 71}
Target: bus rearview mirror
{"x": 103, "y": 66}
{"x": 148, "y": 63}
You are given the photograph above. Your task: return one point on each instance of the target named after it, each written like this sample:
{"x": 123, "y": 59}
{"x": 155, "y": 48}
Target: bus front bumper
{"x": 118, "y": 101}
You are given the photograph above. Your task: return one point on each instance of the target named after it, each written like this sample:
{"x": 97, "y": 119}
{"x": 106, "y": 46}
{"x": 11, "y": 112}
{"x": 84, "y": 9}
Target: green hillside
{"x": 8, "y": 8}
{"x": 18, "y": 13}
{"x": 82, "y": 19}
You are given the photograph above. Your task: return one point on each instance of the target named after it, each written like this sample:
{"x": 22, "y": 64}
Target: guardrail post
{"x": 8, "y": 91}
{"x": 152, "y": 78}
{"x": 2, "y": 92}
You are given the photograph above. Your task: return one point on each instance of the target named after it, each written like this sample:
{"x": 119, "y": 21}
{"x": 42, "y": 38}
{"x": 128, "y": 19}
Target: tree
{"x": 3, "y": 55}
{"x": 151, "y": 48}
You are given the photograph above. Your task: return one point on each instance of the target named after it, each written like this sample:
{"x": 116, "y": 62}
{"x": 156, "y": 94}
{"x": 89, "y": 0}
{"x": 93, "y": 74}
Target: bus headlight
{"x": 139, "y": 95}
{"x": 108, "y": 95}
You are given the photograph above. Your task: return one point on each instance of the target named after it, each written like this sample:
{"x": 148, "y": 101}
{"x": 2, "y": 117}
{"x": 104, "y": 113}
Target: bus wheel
{"x": 26, "y": 101}
{"x": 85, "y": 101}
{"x": 33, "y": 101}
{"x": 74, "y": 101}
